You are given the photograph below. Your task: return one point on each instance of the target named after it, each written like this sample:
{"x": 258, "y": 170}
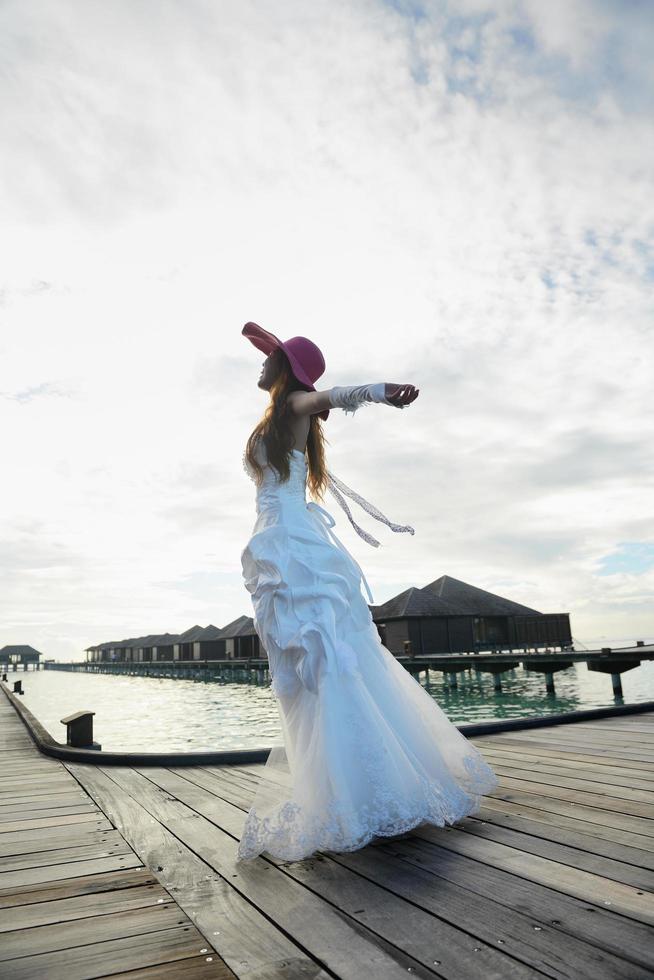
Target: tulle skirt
{"x": 365, "y": 751}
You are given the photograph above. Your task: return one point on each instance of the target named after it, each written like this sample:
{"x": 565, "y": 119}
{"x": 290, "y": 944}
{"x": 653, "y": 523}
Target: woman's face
{"x": 267, "y": 375}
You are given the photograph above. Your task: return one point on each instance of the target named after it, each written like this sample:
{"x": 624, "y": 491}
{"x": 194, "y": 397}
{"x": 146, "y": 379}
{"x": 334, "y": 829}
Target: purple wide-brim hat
{"x": 305, "y": 358}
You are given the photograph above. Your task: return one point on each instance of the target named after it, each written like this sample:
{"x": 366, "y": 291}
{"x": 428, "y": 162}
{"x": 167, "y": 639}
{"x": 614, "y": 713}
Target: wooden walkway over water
{"x": 552, "y": 878}
{"x": 75, "y": 899}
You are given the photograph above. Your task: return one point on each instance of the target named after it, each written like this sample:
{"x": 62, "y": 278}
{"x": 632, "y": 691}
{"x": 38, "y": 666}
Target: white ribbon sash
{"x": 329, "y": 522}
{"x": 337, "y": 488}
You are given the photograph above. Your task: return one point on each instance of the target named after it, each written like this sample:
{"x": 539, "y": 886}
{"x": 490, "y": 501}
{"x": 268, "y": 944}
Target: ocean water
{"x": 159, "y": 715}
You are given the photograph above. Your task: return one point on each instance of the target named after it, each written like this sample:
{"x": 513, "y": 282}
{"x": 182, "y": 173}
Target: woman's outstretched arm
{"x": 351, "y": 398}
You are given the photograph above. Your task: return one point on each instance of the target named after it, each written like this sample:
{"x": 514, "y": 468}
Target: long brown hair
{"x": 277, "y": 437}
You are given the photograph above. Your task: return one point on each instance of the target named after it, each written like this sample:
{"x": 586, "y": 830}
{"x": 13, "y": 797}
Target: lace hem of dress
{"x": 288, "y": 834}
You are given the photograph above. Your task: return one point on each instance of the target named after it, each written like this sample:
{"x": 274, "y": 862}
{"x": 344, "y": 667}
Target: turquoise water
{"x": 156, "y": 715}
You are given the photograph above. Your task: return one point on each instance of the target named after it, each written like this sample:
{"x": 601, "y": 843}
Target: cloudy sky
{"x": 452, "y": 194}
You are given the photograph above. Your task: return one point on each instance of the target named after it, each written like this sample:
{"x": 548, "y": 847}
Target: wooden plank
{"x": 613, "y": 779}
{"x": 603, "y": 726}
{"x": 204, "y": 968}
{"x": 249, "y": 942}
{"x": 614, "y": 809}
{"x": 571, "y": 819}
{"x": 35, "y": 811}
{"x": 89, "y": 885}
{"x": 114, "y": 956}
{"x": 49, "y": 799}
{"x": 20, "y": 942}
{"x": 593, "y": 861}
{"x": 415, "y": 930}
{"x": 34, "y": 780}
{"x": 63, "y": 820}
{"x": 563, "y": 735}
{"x": 308, "y": 919}
{"x": 637, "y": 802}
{"x": 581, "y": 807}
{"x": 64, "y": 855}
{"x": 621, "y": 742}
{"x": 551, "y": 829}
{"x": 71, "y": 869}
{"x": 589, "y": 742}
{"x": 22, "y": 838}
{"x": 568, "y": 955}
{"x": 529, "y": 923}
{"x": 40, "y": 813}
{"x": 17, "y": 740}
{"x": 222, "y": 784}
{"x": 574, "y": 745}
{"x": 596, "y": 889}
{"x": 37, "y": 787}
{"x": 578, "y": 818}
{"x": 544, "y": 747}
{"x": 37, "y": 795}
{"x": 18, "y": 767}
{"x": 78, "y": 907}
{"x": 229, "y": 790}
{"x": 562, "y": 917}
{"x": 642, "y": 722}
{"x": 84, "y": 926}
{"x": 25, "y": 842}
{"x": 253, "y": 771}
{"x": 637, "y": 778}
{"x": 38, "y": 791}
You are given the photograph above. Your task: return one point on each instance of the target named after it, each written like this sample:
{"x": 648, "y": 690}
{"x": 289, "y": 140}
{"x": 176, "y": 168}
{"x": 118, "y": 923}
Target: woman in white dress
{"x": 366, "y": 752}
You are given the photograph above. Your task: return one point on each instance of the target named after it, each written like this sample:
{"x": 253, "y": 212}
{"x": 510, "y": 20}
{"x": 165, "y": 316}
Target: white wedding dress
{"x": 366, "y": 752}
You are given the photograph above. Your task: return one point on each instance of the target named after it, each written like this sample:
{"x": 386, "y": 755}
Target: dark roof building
{"x": 241, "y": 639}
{"x": 19, "y": 653}
{"x": 236, "y": 640}
{"x": 445, "y": 616}
{"x": 450, "y": 616}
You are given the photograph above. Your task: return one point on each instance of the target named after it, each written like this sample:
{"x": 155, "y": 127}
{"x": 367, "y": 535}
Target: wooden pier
{"x": 75, "y": 899}
{"x": 551, "y": 878}
{"x": 255, "y": 670}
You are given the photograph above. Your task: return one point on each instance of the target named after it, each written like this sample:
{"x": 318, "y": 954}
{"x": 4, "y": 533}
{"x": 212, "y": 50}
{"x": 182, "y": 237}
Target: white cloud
{"x": 459, "y": 199}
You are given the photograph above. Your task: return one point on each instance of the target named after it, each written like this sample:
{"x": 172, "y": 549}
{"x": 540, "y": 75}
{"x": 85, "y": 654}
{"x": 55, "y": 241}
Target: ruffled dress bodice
{"x": 272, "y": 492}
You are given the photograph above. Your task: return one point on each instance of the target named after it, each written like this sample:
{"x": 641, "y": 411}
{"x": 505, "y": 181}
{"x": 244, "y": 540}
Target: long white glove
{"x": 352, "y": 398}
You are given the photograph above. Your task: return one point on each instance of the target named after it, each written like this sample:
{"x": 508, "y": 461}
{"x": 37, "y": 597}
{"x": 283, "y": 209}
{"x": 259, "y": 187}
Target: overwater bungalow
{"x": 445, "y": 616}
{"x": 241, "y": 640}
{"x": 19, "y": 655}
{"x": 200, "y": 643}
{"x": 135, "y": 649}
{"x": 237, "y": 640}
{"x": 451, "y": 616}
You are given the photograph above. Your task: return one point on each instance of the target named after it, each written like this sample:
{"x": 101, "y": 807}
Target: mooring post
{"x": 79, "y": 730}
